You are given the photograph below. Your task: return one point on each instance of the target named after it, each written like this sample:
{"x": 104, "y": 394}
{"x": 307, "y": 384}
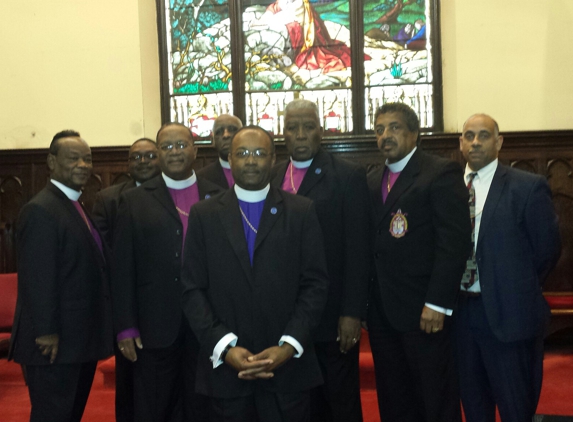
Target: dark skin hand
{"x": 48, "y": 345}
{"x": 431, "y": 321}
{"x": 348, "y": 332}
{"x": 261, "y": 365}
{"x": 127, "y": 347}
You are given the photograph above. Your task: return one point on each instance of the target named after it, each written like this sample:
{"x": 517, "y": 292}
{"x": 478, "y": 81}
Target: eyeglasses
{"x": 256, "y": 154}
{"x": 176, "y": 145}
{"x": 138, "y": 157}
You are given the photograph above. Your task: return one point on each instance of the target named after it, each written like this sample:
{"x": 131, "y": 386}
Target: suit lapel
{"x": 375, "y": 185}
{"x": 402, "y": 184}
{"x": 493, "y": 197}
{"x": 279, "y": 172}
{"x": 160, "y": 192}
{"x": 232, "y": 223}
{"x": 271, "y": 211}
{"x": 320, "y": 165}
{"x": 221, "y": 174}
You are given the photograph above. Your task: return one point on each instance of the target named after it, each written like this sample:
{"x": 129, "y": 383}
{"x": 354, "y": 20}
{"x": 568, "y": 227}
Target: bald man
{"x": 219, "y": 172}
{"x": 502, "y": 313}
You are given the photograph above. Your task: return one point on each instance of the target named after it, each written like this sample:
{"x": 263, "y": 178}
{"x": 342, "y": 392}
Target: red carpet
{"x": 556, "y": 396}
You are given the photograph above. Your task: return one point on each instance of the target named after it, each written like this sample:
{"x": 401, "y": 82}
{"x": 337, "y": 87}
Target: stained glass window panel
{"x": 396, "y": 37}
{"x": 199, "y": 46}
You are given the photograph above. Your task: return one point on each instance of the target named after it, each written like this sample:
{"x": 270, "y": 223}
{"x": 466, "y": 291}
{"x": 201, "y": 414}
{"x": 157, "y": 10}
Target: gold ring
{"x": 435, "y": 330}
{"x": 354, "y": 340}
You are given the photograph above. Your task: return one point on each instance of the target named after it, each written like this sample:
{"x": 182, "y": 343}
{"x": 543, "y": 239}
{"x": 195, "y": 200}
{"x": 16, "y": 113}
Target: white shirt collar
{"x": 74, "y": 195}
{"x": 483, "y": 173}
{"x": 398, "y": 166}
{"x": 179, "y": 184}
{"x": 224, "y": 164}
{"x": 301, "y": 164}
{"x": 251, "y": 196}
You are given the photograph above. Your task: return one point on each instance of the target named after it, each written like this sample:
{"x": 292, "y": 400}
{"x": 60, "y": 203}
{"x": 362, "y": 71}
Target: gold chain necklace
{"x": 186, "y": 214}
{"x": 389, "y": 175}
{"x": 247, "y": 220}
{"x": 292, "y": 180}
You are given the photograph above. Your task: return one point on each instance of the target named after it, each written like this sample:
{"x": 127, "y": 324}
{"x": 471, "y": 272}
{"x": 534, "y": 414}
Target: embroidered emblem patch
{"x": 398, "y": 224}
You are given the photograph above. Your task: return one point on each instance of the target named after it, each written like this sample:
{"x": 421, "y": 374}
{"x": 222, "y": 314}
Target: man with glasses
{"x": 255, "y": 285}
{"x": 219, "y": 172}
{"x": 143, "y": 166}
{"x": 340, "y": 194}
{"x": 146, "y": 283}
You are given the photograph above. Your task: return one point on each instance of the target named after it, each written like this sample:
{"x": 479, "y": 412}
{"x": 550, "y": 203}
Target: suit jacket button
{"x": 176, "y": 254}
{"x": 176, "y": 278}
{"x": 178, "y": 232}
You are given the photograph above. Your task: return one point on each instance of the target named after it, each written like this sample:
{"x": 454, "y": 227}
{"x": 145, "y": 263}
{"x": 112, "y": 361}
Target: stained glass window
{"x": 251, "y": 57}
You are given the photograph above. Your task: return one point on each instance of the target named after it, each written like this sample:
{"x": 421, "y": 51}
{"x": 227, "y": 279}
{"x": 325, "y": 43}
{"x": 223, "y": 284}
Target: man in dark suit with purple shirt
{"x": 62, "y": 324}
{"x": 146, "y": 282}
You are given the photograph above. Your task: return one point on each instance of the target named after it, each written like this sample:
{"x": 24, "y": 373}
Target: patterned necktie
{"x": 470, "y": 275}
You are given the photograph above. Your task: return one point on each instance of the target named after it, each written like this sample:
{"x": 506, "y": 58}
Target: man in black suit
{"x": 146, "y": 282}
{"x": 143, "y": 166}
{"x": 219, "y": 172}
{"x": 339, "y": 191}
{"x": 502, "y": 313}
{"x": 421, "y": 240}
{"x": 255, "y": 286}
{"x": 63, "y": 314}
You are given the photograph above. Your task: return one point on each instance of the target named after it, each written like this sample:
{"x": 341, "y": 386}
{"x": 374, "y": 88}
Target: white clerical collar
{"x": 224, "y": 164}
{"x": 301, "y": 164}
{"x": 251, "y": 196}
{"x": 398, "y": 166}
{"x": 74, "y": 195}
{"x": 179, "y": 184}
{"x": 484, "y": 172}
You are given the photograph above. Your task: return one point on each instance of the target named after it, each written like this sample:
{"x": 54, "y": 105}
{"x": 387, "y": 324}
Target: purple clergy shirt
{"x": 253, "y": 212}
{"x": 92, "y": 229}
{"x": 393, "y": 178}
{"x": 229, "y": 177}
{"x": 184, "y": 199}
{"x": 296, "y": 179}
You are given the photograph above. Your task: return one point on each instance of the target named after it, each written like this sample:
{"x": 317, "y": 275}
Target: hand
{"x": 348, "y": 332}
{"x": 431, "y": 321}
{"x": 277, "y": 355}
{"x": 127, "y": 347}
{"x": 238, "y": 358}
{"x": 48, "y": 345}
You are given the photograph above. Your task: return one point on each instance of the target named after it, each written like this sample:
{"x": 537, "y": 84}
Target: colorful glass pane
{"x": 199, "y": 46}
{"x": 396, "y": 37}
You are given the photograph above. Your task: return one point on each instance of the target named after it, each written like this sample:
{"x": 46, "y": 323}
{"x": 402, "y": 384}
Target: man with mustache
{"x": 143, "y": 164}
{"x": 146, "y": 283}
{"x": 340, "y": 194}
{"x": 255, "y": 286}
{"x": 63, "y": 321}
{"x": 502, "y": 313}
{"x": 219, "y": 172}
{"x": 421, "y": 240}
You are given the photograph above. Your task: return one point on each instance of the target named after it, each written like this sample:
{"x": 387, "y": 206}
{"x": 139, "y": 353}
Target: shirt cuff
{"x": 227, "y": 339}
{"x": 129, "y": 333}
{"x": 292, "y": 341}
{"x": 439, "y": 309}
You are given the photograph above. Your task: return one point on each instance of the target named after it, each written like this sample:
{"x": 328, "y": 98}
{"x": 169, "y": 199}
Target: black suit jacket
{"x": 518, "y": 244}
{"x": 214, "y": 173}
{"x": 146, "y": 271}
{"x": 282, "y": 293}
{"x": 63, "y": 285}
{"x": 339, "y": 191}
{"x": 427, "y": 263}
{"x": 105, "y": 208}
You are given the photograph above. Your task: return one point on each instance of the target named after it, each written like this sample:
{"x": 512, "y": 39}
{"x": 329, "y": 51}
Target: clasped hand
{"x": 259, "y": 366}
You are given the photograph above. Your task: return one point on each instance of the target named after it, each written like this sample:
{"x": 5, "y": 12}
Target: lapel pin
{"x": 207, "y": 196}
{"x": 273, "y": 210}
{"x": 318, "y": 171}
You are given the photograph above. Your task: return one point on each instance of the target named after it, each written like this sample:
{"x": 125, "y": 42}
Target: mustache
{"x": 389, "y": 141}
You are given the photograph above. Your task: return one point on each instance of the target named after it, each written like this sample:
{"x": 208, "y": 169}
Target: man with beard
{"x": 421, "y": 241}
{"x": 143, "y": 166}
{"x": 219, "y": 172}
{"x": 146, "y": 283}
{"x": 340, "y": 194}
{"x": 255, "y": 286}
{"x": 62, "y": 324}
